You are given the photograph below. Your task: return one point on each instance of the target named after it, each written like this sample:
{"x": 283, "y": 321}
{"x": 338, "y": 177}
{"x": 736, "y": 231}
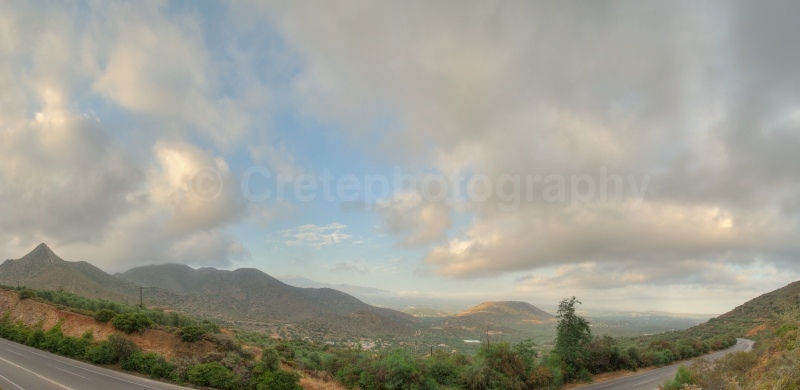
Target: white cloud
{"x": 676, "y": 91}
{"x": 316, "y": 236}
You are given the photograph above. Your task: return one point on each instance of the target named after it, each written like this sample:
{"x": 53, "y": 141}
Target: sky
{"x": 638, "y": 155}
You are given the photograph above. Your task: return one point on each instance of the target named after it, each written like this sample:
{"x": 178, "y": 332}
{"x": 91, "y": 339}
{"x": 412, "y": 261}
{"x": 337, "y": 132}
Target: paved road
{"x": 25, "y": 368}
{"x": 649, "y": 380}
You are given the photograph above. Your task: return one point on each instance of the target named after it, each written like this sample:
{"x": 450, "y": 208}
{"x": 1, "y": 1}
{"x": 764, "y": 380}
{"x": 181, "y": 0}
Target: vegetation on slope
{"x": 234, "y": 368}
{"x": 773, "y": 321}
{"x": 577, "y": 354}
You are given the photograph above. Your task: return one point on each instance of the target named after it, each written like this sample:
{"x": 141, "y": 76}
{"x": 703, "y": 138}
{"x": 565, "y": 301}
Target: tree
{"x": 573, "y": 337}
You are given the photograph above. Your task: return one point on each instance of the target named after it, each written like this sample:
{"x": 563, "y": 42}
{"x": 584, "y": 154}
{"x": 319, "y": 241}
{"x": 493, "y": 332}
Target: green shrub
{"x": 53, "y": 338}
{"x": 214, "y": 375}
{"x": 27, "y": 293}
{"x": 785, "y": 328}
{"x": 149, "y": 363}
{"x": 443, "y": 369}
{"x": 101, "y": 353}
{"x": 36, "y": 339}
{"x": 682, "y": 377}
{"x": 192, "y": 333}
{"x": 73, "y": 347}
{"x": 279, "y": 380}
{"x": 129, "y": 323}
{"x": 105, "y": 315}
{"x": 122, "y": 346}
{"x": 270, "y": 359}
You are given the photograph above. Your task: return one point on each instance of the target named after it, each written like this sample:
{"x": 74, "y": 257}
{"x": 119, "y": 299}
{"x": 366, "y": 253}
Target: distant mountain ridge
{"x": 243, "y": 295}
{"x": 502, "y": 313}
{"x": 251, "y": 292}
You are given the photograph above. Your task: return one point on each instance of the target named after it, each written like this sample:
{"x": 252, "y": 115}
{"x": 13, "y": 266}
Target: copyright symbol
{"x": 206, "y": 183}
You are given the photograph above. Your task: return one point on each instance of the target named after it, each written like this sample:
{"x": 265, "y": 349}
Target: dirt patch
{"x": 754, "y": 331}
{"x": 315, "y": 384}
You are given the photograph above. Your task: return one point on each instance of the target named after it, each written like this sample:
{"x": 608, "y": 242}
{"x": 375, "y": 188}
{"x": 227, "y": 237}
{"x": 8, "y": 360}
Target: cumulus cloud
{"x": 62, "y": 177}
{"x": 122, "y": 127}
{"x": 694, "y": 97}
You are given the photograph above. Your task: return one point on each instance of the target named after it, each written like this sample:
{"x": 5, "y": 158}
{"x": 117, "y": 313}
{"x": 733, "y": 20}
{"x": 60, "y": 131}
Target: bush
{"x": 270, "y": 360}
{"x": 122, "y": 346}
{"x": 214, "y": 375}
{"x": 101, "y": 353}
{"x": 279, "y": 380}
{"x": 36, "y": 339}
{"x": 664, "y": 357}
{"x": 105, "y": 315}
{"x": 682, "y": 377}
{"x": 149, "y": 363}
{"x": 540, "y": 378}
{"x": 192, "y": 333}
{"x": 398, "y": 370}
{"x": 73, "y": 347}
{"x": 443, "y": 369}
{"x": 27, "y": 293}
{"x": 130, "y": 323}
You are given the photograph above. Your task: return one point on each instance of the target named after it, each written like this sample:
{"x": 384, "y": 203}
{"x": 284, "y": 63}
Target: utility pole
{"x": 141, "y": 300}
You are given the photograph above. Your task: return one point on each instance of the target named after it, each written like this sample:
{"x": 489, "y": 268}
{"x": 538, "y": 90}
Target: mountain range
{"x": 242, "y": 295}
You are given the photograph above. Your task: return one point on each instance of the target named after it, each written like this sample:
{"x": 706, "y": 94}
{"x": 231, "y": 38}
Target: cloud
{"x": 316, "y": 236}
{"x": 693, "y": 97}
{"x": 421, "y": 222}
{"x": 63, "y": 178}
{"x": 195, "y": 186}
{"x": 103, "y": 105}
{"x": 161, "y": 68}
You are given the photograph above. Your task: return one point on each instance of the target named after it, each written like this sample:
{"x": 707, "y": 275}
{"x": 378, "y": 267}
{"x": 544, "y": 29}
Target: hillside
{"x": 752, "y": 316}
{"x": 772, "y": 320}
{"x": 34, "y": 313}
{"x": 252, "y": 295}
{"x": 43, "y": 269}
{"x": 243, "y": 296}
{"x": 503, "y": 313}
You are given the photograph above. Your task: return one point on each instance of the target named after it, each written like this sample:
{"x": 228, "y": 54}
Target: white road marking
{"x": 69, "y": 372}
{"x": 8, "y": 350}
{"x": 40, "y": 376}
{"x": 9, "y": 381}
{"x": 93, "y": 371}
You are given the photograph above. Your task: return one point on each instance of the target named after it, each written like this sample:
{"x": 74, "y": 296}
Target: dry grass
{"x": 316, "y": 384}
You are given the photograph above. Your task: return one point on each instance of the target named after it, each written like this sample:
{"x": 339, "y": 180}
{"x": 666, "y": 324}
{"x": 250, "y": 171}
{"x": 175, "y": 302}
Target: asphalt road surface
{"x": 26, "y": 368}
{"x": 649, "y": 380}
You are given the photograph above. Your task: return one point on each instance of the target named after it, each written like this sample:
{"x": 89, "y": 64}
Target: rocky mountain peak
{"x": 42, "y": 254}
